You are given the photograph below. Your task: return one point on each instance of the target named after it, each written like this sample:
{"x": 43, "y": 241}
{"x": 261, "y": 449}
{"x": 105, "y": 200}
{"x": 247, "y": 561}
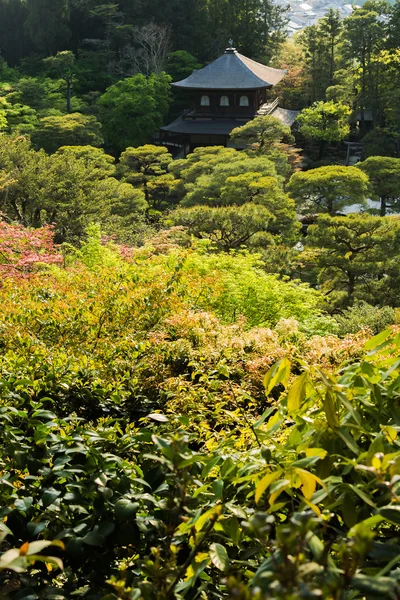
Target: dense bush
{"x": 364, "y": 315}
{"x": 167, "y": 452}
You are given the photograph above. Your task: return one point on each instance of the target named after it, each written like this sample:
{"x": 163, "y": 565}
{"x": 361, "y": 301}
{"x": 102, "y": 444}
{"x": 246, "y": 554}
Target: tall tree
{"x": 355, "y": 252}
{"x": 328, "y": 189}
{"x": 63, "y": 64}
{"x": 331, "y": 28}
{"x": 384, "y": 175}
{"x": 133, "y": 109}
{"x": 325, "y": 122}
{"x": 47, "y": 24}
{"x": 365, "y": 32}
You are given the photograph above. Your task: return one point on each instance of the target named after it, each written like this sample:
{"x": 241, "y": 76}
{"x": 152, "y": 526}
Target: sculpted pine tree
{"x": 63, "y": 65}
{"x": 384, "y": 175}
{"x": 355, "y": 254}
{"x": 325, "y": 122}
{"x": 146, "y": 167}
{"x": 228, "y": 227}
{"x": 74, "y": 129}
{"x": 328, "y": 189}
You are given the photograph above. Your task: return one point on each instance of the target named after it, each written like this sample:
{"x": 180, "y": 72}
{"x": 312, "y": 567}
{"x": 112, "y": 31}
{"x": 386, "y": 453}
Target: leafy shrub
{"x": 362, "y": 315}
{"x": 171, "y": 450}
{"x": 307, "y": 509}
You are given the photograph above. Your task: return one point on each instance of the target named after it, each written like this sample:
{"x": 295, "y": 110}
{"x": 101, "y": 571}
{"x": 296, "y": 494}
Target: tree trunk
{"x": 383, "y": 206}
{"x": 69, "y": 93}
{"x": 322, "y": 145}
{"x": 350, "y": 287}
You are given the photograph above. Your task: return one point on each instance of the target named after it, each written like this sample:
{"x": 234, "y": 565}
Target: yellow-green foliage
{"x": 172, "y": 422}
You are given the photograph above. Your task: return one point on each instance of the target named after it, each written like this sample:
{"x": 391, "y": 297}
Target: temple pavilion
{"x": 226, "y": 94}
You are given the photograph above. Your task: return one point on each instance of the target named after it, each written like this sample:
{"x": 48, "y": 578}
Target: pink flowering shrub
{"x": 22, "y": 250}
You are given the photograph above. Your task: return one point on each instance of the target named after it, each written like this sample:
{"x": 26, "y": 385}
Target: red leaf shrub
{"x": 23, "y": 250}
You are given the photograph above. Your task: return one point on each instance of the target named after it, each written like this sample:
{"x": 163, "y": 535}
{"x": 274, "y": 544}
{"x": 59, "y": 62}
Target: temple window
{"x": 244, "y": 101}
{"x": 224, "y": 101}
{"x": 205, "y": 101}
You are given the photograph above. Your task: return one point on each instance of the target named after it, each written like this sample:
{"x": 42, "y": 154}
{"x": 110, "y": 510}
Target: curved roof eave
{"x": 232, "y": 71}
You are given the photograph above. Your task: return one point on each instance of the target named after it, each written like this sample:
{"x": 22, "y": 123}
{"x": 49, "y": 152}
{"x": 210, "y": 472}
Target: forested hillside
{"x": 199, "y": 351}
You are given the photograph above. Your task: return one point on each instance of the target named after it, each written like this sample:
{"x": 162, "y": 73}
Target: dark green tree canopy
{"x": 133, "y": 110}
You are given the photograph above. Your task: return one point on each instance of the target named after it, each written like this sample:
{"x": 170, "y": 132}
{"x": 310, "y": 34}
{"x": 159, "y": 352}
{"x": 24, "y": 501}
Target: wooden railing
{"x": 268, "y": 108}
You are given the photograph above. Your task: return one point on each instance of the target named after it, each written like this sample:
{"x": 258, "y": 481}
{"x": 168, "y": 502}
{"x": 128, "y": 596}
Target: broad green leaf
{"x": 124, "y": 509}
{"x": 204, "y": 518}
{"x": 49, "y": 496}
{"x": 93, "y": 539}
{"x": 320, "y": 452}
{"x": 378, "y": 339}
{"x": 391, "y": 513}
{"x": 390, "y": 432}
{"x": 264, "y": 483}
{"x": 35, "y": 547}
{"x": 330, "y": 410}
{"x": 297, "y": 392}
{"x": 278, "y": 373}
{"x": 4, "y": 531}
{"x": 219, "y": 557}
{"x": 348, "y": 440}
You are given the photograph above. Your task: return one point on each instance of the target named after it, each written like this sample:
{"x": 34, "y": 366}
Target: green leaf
{"x": 124, "y": 509}
{"x": 382, "y": 586}
{"x": 4, "y": 531}
{"x": 297, "y": 393}
{"x": 391, "y": 514}
{"x": 44, "y": 414}
{"x": 219, "y": 557}
{"x": 264, "y": 483}
{"x": 361, "y": 494}
{"x": 377, "y": 340}
{"x": 278, "y": 373}
{"x": 35, "y": 547}
{"x": 330, "y": 410}
{"x": 204, "y": 518}
{"x": 93, "y": 539}
{"x": 49, "y": 496}
{"x": 348, "y": 440}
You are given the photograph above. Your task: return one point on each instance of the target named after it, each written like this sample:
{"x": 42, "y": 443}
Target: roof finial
{"x": 230, "y": 41}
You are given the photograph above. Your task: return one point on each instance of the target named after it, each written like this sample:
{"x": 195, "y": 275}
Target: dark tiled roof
{"x": 232, "y": 71}
{"x": 287, "y": 117}
{"x": 223, "y": 126}
{"x": 203, "y": 126}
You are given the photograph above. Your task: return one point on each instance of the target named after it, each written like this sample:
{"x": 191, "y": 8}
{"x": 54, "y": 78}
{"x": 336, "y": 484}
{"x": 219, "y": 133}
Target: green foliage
{"x": 146, "y": 167}
{"x": 70, "y": 188}
{"x": 205, "y": 180}
{"x": 181, "y": 64}
{"x": 355, "y": 257}
{"x": 229, "y": 228}
{"x": 324, "y": 122}
{"x": 259, "y": 134}
{"x": 135, "y": 434}
{"x": 363, "y": 315}
{"x": 328, "y": 189}
{"x": 384, "y": 175}
{"x": 267, "y": 136}
{"x": 133, "y": 109}
{"x": 63, "y": 64}
{"x": 68, "y": 130}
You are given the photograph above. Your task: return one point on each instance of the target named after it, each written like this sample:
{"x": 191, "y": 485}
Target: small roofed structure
{"x": 226, "y": 94}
